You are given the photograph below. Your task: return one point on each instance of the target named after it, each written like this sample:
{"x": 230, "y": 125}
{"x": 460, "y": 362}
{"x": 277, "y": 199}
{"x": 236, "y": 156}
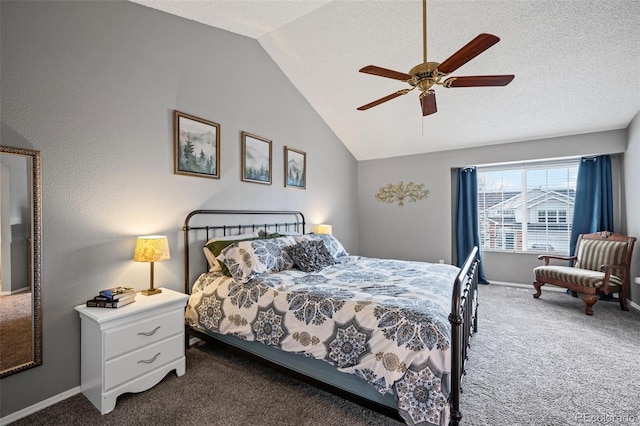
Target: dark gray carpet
{"x": 544, "y": 362}
{"x": 539, "y": 362}
{"x": 16, "y": 330}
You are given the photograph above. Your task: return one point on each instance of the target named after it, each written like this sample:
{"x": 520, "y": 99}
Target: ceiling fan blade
{"x": 478, "y": 81}
{"x": 469, "y": 51}
{"x": 384, "y": 99}
{"x": 384, "y": 72}
{"x": 428, "y": 103}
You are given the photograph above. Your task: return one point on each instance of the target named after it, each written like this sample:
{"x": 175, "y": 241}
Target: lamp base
{"x": 151, "y": 291}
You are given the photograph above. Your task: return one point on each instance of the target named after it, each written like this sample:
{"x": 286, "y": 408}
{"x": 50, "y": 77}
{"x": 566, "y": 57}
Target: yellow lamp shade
{"x": 151, "y": 248}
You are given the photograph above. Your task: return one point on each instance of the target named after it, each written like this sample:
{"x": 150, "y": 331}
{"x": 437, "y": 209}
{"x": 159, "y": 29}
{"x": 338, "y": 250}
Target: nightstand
{"x": 132, "y": 348}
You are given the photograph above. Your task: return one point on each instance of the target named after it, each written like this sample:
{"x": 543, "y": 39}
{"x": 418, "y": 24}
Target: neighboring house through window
{"x": 527, "y": 206}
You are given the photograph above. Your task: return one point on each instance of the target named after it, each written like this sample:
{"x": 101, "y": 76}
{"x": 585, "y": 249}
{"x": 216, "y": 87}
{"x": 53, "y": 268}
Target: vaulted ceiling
{"x": 576, "y": 65}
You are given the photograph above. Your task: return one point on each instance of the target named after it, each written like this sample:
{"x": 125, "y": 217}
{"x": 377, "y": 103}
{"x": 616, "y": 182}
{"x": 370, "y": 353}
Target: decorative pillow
{"x": 310, "y": 256}
{"x": 269, "y": 234}
{"x": 244, "y": 259}
{"x": 265, "y": 234}
{"x": 217, "y": 247}
{"x": 211, "y": 254}
{"x": 291, "y": 233}
{"x": 331, "y": 243}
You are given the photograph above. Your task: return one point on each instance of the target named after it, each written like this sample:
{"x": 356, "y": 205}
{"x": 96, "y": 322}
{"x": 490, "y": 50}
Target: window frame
{"x": 548, "y": 227}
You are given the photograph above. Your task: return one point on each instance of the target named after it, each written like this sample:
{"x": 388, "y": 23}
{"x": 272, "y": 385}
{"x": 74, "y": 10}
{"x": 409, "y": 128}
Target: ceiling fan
{"x": 426, "y": 75}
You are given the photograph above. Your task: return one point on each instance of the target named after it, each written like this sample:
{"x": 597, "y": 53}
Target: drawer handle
{"x": 149, "y": 361}
{"x": 149, "y": 333}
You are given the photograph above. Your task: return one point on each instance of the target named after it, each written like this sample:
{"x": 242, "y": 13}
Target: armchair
{"x": 602, "y": 266}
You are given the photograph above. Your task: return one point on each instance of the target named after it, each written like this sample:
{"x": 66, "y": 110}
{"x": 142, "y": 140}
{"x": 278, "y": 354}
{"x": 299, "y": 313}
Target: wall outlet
{"x": 637, "y": 280}
{"x": 442, "y": 261}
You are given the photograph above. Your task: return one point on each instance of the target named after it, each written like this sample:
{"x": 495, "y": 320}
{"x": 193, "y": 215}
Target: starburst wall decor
{"x": 401, "y": 192}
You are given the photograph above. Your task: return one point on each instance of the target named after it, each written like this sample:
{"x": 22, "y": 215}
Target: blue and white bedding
{"x": 385, "y": 321}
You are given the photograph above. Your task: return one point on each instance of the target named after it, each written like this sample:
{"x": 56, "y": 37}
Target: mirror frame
{"x": 36, "y": 217}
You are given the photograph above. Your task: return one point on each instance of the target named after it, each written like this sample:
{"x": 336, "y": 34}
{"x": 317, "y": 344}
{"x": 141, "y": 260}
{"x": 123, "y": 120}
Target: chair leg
{"x": 589, "y": 300}
{"x": 537, "y": 285}
{"x": 622, "y": 296}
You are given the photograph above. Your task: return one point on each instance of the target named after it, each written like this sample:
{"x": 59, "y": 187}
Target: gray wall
{"x": 632, "y": 191}
{"x": 424, "y": 230}
{"x": 93, "y": 85}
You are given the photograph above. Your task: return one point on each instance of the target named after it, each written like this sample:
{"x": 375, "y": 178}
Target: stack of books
{"x": 115, "y": 297}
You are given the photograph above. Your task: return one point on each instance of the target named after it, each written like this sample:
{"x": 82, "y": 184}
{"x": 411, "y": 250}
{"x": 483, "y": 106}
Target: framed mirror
{"x": 20, "y": 267}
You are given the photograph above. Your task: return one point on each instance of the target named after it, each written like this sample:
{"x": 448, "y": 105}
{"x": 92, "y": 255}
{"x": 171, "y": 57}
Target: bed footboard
{"x": 464, "y": 322}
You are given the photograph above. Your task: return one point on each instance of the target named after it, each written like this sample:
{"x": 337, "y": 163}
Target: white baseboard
{"x": 12, "y": 292}
{"x": 39, "y": 406}
{"x": 552, "y": 287}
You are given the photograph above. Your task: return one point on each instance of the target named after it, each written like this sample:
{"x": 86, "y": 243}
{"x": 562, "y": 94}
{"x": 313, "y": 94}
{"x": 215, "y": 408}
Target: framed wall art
{"x": 256, "y": 159}
{"x": 196, "y": 146}
{"x": 295, "y": 168}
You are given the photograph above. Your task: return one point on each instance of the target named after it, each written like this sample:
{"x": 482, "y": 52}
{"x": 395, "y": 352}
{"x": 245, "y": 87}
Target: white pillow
{"x": 245, "y": 259}
{"x": 333, "y": 245}
{"x": 214, "y": 266}
{"x": 268, "y": 234}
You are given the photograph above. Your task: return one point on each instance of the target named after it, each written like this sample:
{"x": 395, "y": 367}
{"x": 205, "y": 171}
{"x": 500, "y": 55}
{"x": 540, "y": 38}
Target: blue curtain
{"x": 467, "y": 222}
{"x": 593, "y": 207}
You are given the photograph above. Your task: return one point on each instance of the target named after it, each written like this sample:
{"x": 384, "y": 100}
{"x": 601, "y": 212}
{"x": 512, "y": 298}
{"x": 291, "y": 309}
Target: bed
{"x": 390, "y": 335}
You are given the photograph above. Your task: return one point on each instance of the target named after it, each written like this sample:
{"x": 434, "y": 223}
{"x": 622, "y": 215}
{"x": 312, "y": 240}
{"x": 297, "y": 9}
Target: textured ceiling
{"x": 576, "y": 65}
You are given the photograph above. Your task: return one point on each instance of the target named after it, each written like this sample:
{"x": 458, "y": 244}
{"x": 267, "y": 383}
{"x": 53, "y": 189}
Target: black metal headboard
{"x": 231, "y": 222}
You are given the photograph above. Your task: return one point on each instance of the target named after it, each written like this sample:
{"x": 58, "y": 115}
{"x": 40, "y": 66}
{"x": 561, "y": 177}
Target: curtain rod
{"x": 532, "y": 163}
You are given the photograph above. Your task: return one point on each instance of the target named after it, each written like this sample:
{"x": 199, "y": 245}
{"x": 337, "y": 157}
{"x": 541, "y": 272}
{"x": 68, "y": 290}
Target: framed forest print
{"x": 196, "y": 146}
{"x": 295, "y": 168}
{"x": 256, "y": 159}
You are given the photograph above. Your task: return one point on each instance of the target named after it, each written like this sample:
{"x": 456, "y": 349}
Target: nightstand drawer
{"x": 137, "y": 363}
{"x": 143, "y": 333}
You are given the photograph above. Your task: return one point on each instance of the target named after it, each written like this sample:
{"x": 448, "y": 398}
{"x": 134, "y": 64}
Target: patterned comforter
{"x": 385, "y": 321}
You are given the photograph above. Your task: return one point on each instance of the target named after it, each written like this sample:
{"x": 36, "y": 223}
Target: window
{"x": 552, "y": 216}
{"x": 542, "y": 216}
{"x": 509, "y": 241}
{"x": 527, "y": 207}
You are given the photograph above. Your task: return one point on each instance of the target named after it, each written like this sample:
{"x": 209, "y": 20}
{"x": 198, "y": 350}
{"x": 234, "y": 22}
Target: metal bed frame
{"x": 463, "y": 315}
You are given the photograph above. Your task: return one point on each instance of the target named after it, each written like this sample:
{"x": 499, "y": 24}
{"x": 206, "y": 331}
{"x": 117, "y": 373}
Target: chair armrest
{"x": 547, "y": 257}
{"x": 607, "y": 269}
{"x": 605, "y": 266}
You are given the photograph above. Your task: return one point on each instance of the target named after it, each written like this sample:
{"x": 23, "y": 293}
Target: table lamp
{"x": 151, "y": 248}
{"x": 323, "y": 229}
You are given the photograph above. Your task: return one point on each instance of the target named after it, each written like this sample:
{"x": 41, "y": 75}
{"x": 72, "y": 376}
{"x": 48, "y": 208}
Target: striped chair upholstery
{"x": 592, "y": 254}
{"x": 584, "y": 277}
{"x": 602, "y": 266}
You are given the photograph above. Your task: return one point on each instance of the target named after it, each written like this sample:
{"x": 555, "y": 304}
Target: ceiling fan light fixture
{"x": 428, "y": 102}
